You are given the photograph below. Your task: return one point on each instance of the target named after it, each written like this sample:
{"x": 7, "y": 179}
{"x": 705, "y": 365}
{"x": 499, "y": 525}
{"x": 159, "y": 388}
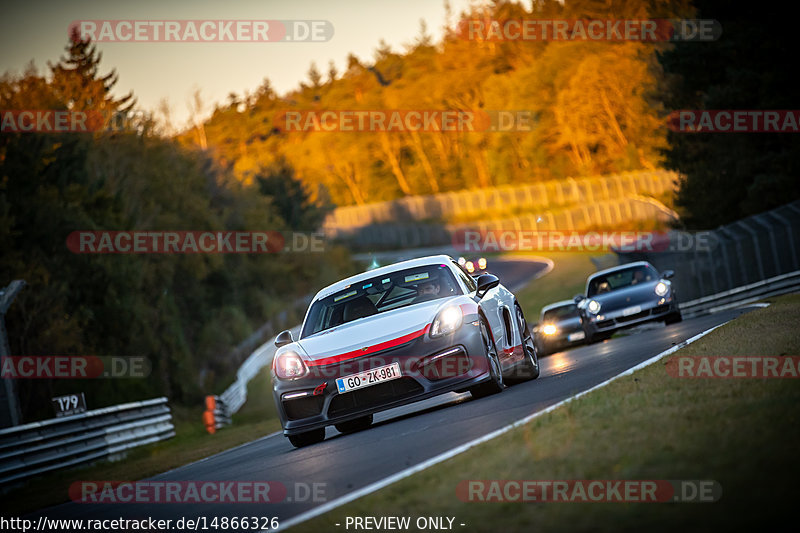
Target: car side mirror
{"x": 667, "y": 274}
{"x": 485, "y": 283}
{"x": 578, "y": 298}
{"x": 283, "y": 338}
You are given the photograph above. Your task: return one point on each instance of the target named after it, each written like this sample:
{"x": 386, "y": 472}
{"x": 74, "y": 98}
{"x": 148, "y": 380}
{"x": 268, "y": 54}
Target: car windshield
{"x": 560, "y": 313}
{"x": 380, "y": 294}
{"x": 621, "y": 278}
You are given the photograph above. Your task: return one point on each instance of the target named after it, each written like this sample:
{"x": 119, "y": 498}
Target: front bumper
{"x": 550, "y": 343}
{"x": 615, "y": 319}
{"x": 428, "y": 367}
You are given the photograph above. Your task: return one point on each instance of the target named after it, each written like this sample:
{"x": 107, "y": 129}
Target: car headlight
{"x": 661, "y": 288}
{"x": 289, "y": 365}
{"x": 482, "y": 263}
{"x": 447, "y": 321}
{"x": 470, "y": 267}
{"x": 593, "y": 307}
{"x": 461, "y": 261}
{"x": 549, "y": 329}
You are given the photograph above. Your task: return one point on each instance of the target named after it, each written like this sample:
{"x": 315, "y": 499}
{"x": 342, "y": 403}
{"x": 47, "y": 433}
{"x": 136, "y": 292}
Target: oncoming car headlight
{"x": 593, "y": 307}
{"x": 549, "y": 329}
{"x": 661, "y": 288}
{"x": 289, "y": 365}
{"x": 447, "y": 321}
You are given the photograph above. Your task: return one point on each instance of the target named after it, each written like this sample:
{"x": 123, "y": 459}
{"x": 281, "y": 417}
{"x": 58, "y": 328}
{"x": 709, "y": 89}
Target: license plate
{"x": 369, "y": 377}
{"x": 632, "y": 310}
{"x": 578, "y": 335}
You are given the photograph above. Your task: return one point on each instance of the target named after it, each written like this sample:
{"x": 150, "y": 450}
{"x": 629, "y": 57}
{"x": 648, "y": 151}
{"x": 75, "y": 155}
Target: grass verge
{"x": 743, "y": 433}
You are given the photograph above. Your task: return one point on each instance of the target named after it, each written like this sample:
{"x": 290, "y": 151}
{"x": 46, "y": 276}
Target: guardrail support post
{"x": 10, "y": 414}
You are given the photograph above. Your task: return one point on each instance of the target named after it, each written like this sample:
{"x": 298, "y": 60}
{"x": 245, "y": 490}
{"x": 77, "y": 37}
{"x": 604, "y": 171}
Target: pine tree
{"x": 77, "y": 81}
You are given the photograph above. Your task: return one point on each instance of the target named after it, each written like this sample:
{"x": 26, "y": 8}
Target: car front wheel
{"x": 351, "y": 426}
{"x": 673, "y": 318}
{"x": 495, "y": 382}
{"x": 529, "y": 368}
{"x": 307, "y": 438}
{"x": 598, "y": 337}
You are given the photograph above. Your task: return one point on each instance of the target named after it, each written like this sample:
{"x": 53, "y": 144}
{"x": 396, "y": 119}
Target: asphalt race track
{"x": 402, "y": 437}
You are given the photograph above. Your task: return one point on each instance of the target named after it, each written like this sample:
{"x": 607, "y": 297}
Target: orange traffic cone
{"x": 211, "y": 402}
{"x": 209, "y": 421}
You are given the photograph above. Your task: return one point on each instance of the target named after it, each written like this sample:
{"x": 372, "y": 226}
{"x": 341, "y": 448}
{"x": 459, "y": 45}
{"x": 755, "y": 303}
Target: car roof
{"x": 618, "y": 267}
{"x": 394, "y": 267}
{"x": 562, "y": 303}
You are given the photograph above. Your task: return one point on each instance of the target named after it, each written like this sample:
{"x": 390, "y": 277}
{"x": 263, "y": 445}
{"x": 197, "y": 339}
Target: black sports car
{"x": 624, "y": 296}
{"x": 560, "y": 325}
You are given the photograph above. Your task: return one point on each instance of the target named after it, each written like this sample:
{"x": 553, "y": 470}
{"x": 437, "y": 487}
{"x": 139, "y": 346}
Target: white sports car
{"x": 393, "y": 336}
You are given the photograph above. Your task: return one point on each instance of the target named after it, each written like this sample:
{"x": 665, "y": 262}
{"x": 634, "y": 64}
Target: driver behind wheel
{"x": 427, "y": 290}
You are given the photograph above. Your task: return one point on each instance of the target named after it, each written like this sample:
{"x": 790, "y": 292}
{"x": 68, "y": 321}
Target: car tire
{"x": 307, "y": 438}
{"x": 598, "y": 337}
{"x": 673, "y": 318}
{"x": 541, "y": 350}
{"x": 529, "y": 369}
{"x": 351, "y": 426}
{"x": 495, "y": 382}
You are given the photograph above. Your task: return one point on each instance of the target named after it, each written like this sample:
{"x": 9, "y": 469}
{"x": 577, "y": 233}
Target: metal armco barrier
{"x": 610, "y": 213}
{"x": 235, "y": 395}
{"x": 531, "y": 196}
{"x": 783, "y": 284}
{"x": 105, "y": 433}
{"x": 219, "y": 412}
{"x": 216, "y": 414}
{"x": 733, "y": 262}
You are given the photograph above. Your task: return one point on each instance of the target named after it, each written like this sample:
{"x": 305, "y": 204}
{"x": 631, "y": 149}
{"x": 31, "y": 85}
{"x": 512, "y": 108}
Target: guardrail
{"x": 235, "y": 395}
{"x": 529, "y": 196}
{"x": 745, "y": 294}
{"x": 732, "y": 259}
{"x": 106, "y": 433}
{"x": 609, "y": 213}
{"x": 216, "y": 414}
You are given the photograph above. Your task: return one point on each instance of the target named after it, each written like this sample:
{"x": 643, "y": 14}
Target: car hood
{"x": 376, "y": 329}
{"x": 634, "y": 295}
{"x": 569, "y": 324}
